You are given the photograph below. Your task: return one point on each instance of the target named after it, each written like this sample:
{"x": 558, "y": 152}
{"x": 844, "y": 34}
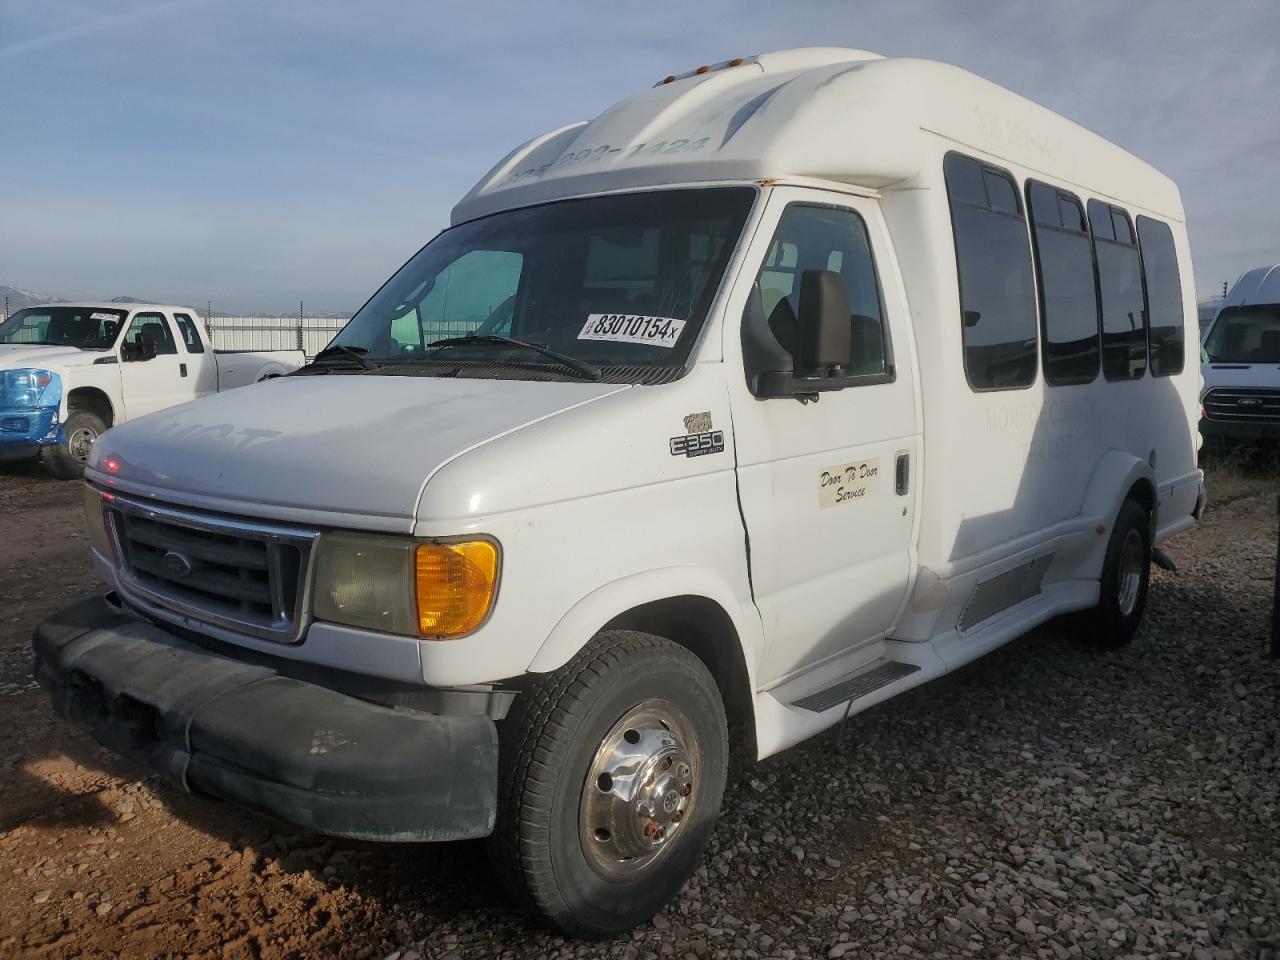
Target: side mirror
{"x": 769, "y": 367}
{"x": 825, "y": 324}
{"x": 143, "y": 348}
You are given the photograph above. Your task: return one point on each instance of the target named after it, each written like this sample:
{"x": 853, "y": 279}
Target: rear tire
{"x": 611, "y": 774}
{"x": 1126, "y": 576}
{"x": 66, "y": 461}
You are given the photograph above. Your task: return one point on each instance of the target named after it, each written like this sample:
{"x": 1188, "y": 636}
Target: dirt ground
{"x": 99, "y": 859}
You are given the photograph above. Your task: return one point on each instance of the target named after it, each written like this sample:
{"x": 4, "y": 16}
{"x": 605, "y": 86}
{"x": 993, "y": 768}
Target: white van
{"x": 1241, "y": 398}
{"x": 774, "y": 391}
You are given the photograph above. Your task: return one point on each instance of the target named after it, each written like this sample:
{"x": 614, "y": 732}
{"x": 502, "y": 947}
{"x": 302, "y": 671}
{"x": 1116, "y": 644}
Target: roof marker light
{"x": 702, "y": 69}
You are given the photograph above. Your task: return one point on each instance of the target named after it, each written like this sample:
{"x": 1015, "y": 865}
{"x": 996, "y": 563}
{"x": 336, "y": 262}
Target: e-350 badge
{"x": 701, "y": 440}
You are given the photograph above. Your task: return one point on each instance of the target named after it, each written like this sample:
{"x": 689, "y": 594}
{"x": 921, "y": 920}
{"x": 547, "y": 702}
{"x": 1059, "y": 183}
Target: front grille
{"x": 1243, "y": 405}
{"x": 236, "y": 574}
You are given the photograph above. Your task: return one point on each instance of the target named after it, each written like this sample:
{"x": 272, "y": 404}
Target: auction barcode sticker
{"x": 632, "y": 328}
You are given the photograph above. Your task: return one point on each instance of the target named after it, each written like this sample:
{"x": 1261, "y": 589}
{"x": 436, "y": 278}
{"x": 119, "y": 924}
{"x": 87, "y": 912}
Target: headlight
{"x": 29, "y": 387}
{"x": 96, "y": 521}
{"x": 438, "y": 588}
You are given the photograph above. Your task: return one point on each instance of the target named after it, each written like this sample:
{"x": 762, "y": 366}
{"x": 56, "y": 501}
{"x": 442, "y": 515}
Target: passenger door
{"x": 151, "y": 385}
{"x": 827, "y": 485}
{"x": 198, "y": 366}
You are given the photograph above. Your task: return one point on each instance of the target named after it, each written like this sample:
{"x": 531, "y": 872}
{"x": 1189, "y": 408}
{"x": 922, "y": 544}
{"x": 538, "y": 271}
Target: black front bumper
{"x": 1265, "y": 433}
{"x": 244, "y": 733}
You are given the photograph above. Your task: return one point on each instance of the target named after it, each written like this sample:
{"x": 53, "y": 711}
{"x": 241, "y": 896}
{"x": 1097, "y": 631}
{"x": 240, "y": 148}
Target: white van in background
{"x": 1241, "y": 354}
{"x": 774, "y": 391}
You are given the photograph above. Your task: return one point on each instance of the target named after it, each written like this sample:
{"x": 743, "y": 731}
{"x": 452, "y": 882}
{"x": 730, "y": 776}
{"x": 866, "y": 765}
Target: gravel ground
{"x": 1050, "y": 800}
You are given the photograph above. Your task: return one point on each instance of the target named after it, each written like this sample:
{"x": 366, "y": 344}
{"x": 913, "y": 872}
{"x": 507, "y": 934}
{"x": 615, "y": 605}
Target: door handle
{"x": 182, "y": 368}
{"x": 902, "y": 474}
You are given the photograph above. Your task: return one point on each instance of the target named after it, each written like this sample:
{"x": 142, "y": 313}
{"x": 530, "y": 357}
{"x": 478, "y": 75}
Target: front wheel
{"x": 66, "y": 461}
{"x": 1126, "y": 576}
{"x": 611, "y": 775}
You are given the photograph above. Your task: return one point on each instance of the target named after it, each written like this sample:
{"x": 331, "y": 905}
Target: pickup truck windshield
{"x": 614, "y": 282}
{"x": 1245, "y": 335}
{"x": 91, "y": 328}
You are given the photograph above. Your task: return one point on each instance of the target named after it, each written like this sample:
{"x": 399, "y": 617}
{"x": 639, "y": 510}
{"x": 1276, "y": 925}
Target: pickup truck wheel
{"x": 1126, "y": 576}
{"x": 66, "y": 460}
{"x": 611, "y": 772}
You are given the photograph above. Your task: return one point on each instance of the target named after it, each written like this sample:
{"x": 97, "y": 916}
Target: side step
{"x": 856, "y": 686}
{"x": 1163, "y": 560}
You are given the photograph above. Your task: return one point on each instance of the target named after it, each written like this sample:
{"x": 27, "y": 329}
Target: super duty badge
{"x": 698, "y": 444}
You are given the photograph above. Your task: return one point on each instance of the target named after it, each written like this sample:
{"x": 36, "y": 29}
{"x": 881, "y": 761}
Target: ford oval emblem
{"x": 176, "y": 564}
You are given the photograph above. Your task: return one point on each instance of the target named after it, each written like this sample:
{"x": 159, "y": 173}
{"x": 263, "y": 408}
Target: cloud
{"x": 89, "y": 28}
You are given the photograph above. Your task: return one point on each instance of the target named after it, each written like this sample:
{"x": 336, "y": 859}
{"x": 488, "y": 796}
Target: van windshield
{"x": 90, "y": 328}
{"x": 615, "y": 283}
{"x": 1245, "y": 335}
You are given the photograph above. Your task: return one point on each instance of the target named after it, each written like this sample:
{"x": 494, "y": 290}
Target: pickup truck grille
{"x": 1243, "y": 405}
{"x": 245, "y": 577}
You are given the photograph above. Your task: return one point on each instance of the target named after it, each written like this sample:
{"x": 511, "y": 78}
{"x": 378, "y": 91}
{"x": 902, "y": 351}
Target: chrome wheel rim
{"x": 1131, "y": 562}
{"x": 81, "y": 442}
{"x": 641, "y": 787}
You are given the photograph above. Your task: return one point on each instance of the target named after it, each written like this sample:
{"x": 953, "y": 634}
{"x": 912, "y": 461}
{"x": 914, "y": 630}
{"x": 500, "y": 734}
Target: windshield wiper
{"x": 341, "y": 351}
{"x": 588, "y": 370}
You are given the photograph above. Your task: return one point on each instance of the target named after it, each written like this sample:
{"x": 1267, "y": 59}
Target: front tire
{"x": 612, "y": 770}
{"x": 66, "y": 461}
{"x": 1126, "y": 577}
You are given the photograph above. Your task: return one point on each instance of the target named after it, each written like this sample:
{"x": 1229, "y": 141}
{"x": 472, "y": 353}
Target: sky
{"x": 257, "y": 154}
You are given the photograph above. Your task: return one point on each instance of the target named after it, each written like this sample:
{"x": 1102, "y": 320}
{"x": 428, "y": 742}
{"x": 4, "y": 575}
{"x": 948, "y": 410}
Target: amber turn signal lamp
{"x": 454, "y": 584}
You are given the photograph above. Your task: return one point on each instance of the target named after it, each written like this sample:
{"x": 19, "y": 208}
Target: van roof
{"x": 836, "y": 114}
{"x": 1259, "y": 285}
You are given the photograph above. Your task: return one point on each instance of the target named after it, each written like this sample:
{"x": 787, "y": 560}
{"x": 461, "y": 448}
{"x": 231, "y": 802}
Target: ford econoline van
{"x": 774, "y": 391}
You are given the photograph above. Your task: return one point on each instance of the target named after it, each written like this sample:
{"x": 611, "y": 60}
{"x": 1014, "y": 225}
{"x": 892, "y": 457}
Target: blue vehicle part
{"x": 30, "y": 401}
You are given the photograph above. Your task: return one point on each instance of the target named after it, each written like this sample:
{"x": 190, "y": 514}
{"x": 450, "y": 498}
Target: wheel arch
{"x": 683, "y": 606}
{"x": 95, "y": 401}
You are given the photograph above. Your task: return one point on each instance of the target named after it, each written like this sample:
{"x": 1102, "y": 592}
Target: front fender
{"x": 586, "y": 617}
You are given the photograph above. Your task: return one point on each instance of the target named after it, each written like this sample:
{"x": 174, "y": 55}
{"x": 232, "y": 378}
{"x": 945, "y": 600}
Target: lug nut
{"x": 666, "y": 763}
{"x": 651, "y": 830}
{"x": 683, "y": 771}
{"x": 686, "y": 789}
{"x": 677, "y": 816}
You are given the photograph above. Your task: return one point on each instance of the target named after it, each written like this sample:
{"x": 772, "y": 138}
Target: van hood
{"x": 14, "y": 355}
{"x": 335, "y": 450}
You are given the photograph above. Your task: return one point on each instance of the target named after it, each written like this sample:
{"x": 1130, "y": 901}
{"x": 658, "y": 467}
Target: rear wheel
{"x": 66, "y": 461}
{"x": 612, "y": 773}
{"x": 1126, "y": 576}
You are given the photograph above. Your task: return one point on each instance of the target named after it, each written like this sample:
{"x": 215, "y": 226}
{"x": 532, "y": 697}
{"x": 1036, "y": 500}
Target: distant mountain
{"x": 17, "y": 298}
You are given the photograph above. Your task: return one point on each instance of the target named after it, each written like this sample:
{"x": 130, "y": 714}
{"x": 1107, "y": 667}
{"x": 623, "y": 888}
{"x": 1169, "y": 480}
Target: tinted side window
{"x": 152, "y": 326}
{"x": 1124, "y": 316}
{"x": 993, "y": 261}
{"x": 1164, "y": 297}
{"x": 190, "y": 335}
{"x": 825, "y": 238}
{"x": 1068, "y": 295}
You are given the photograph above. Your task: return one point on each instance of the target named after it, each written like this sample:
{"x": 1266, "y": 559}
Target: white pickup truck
{"x": 70, "y": 371}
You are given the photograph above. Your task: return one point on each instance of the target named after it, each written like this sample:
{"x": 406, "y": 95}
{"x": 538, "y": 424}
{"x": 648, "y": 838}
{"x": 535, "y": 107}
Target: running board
{"x": 1163, "y": 560}
{"x": 856, "y": 686}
